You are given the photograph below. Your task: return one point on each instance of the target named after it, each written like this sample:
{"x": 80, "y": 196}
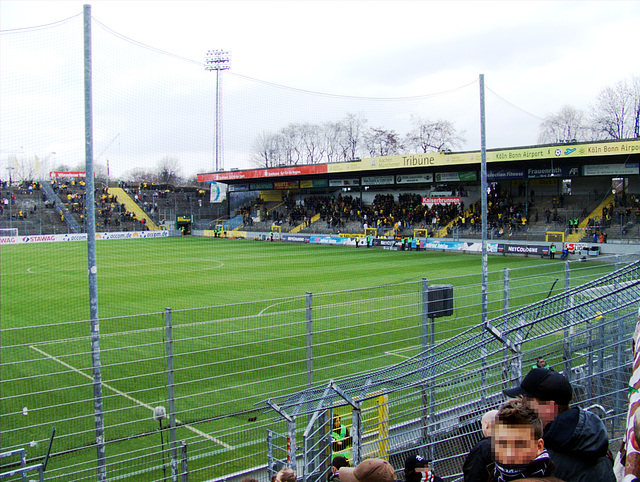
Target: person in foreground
{"x": 518, "y": 446}
{"x": 417, "y": 469}
{"x": 480, "y": 456}
{"x": 370, "y": 470}
{"x": 576, "y": 439}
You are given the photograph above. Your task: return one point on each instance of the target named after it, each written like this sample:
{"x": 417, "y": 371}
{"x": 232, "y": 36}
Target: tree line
{"x": 350, "y": 138}
{"x": 615, "y": 114}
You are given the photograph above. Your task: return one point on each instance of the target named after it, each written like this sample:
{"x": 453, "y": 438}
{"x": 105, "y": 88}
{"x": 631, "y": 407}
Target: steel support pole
{"x": 91, "y": 251}
{"x": 173, "y": 443}
{"x": 425, "y": 358}
{"x": 505, "y": 311}
{"x": 483, "y": 188}
{"x": 567, "y": 348}
{"x": 309, "y": 340}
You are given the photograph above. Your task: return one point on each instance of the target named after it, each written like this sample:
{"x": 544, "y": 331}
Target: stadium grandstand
{"x": 589, "y": 192}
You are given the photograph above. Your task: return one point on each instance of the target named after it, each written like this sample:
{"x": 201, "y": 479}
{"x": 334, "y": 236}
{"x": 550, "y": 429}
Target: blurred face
{"x": 547, "y": 410}
{"x": 515, "y": 444}
{"x": 420, "y": 473}
{"x": 336, "y": 422}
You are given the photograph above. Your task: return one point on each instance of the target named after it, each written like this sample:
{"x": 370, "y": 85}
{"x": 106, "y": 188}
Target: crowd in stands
{"x": 384, "y": 213}
{"x": 505, "y": 217}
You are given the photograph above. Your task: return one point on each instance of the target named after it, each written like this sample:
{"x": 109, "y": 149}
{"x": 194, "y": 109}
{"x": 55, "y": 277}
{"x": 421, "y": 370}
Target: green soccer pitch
{"x": 44, "y": 287}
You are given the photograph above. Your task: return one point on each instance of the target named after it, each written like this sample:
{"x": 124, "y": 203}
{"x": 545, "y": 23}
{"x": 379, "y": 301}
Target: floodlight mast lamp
{"x": 218, "y": 60}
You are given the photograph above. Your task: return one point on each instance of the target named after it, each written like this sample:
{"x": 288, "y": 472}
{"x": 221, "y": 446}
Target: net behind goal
{"x": 8, "y": 232}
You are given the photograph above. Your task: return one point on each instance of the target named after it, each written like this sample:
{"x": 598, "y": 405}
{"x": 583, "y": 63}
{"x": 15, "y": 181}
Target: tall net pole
{"x": 218, "y": 60}
{"x": 91, "y": 250}
{"x": 483, "y": 188}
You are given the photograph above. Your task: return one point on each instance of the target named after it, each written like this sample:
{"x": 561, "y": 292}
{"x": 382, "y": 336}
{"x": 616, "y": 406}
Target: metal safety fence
{"x": 184, "y": 391}
{"x": 438, "y": 396}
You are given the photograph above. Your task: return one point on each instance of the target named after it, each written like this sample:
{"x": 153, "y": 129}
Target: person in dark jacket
{"x": 480, "y": 456}
{"x": 576, "y": 440}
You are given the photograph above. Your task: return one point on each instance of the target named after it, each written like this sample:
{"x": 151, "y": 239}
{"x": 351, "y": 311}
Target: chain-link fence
{"x": 182, "y": 390}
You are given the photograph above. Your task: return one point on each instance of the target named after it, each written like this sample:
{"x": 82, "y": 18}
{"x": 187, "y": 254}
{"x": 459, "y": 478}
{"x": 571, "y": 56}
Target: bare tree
{"x": 614, "y": 113}
{"x": 381, "y": 142}
{"x": 332, "y": 132}
{"x": 313, "y": 147}
{"x": 24, "y": 168}
{"x": 138, "y": 175}
{"x": 168, "y": 170}
{"x": 352, "y": 130}
{"x": 564, "y": 126}
{"x": 266, "y": 150}
{"x": 635, "y": 102}
{"x": 428, "y": 136}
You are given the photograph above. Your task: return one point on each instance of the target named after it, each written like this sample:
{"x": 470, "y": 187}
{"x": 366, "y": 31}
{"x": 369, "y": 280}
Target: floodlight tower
{"x": 218, "y": 60}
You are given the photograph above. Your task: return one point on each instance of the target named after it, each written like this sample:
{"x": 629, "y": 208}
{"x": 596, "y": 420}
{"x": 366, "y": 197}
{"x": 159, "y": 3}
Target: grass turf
{"x": 44, "y": 296}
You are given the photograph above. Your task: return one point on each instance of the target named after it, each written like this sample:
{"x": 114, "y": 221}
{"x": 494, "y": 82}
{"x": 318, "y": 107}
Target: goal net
{"x": 420, "y": 233}
{"x": 371, "y": 232}
{"x": 8, "y": 232}
{"x": 553, "y": 236}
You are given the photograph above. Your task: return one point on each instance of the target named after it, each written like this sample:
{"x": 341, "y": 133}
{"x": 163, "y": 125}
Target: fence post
{"x": 567, "y": 344}
{"x": 505, "y": 311}
{"x": 291, "y": 444}
{"x": 309, "y": 374}
{"x": 309, "y": 340}
{"x": 183, "y": 456}
{"x": 622, "y": 385}
{"x": 270, "y": 471}
{"x": 173, "y": 444}
{"x": 356, "y": 434}
{"x": 425, "y": 358}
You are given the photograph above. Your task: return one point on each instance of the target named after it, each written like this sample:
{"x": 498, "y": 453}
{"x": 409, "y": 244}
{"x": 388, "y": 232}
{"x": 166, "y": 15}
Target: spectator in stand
{"x": 577, "y": 440}
{"x": 341, "y": 438}
{"x": 417, "y": 469}
{"x": 371, "y": 470}
{"x": 518, "y": 446}
{"x": 286, "y": 475}
{"x": 337, "y": 463}
{"x": 475, "y": 467}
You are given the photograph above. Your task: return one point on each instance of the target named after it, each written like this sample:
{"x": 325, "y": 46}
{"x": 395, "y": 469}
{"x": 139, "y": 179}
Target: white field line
{"x": 129, "y": 397}
{"x": 397, "y": 351}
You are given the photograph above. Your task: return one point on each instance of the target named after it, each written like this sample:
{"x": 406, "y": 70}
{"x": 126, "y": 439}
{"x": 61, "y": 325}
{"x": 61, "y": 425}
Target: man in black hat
{"x": 576, "y": 439}
{"x": 417, "y": 469}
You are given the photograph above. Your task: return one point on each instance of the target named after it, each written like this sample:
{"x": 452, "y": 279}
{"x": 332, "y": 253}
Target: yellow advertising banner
{"x": 439, "y": 159}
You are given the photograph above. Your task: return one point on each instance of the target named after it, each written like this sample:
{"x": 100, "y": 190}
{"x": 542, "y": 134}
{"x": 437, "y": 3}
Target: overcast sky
{"x": 537, "y": 56}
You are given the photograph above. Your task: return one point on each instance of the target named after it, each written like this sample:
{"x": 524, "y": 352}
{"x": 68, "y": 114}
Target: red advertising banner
{"x": 67, "y": 174}
{"x": 264, "y": 173}
{"x": 441, "y": 200}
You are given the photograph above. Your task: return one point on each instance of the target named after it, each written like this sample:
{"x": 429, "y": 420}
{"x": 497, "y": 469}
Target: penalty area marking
{"x": 397, "y": 352}
{"x": 129, "y": 397}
